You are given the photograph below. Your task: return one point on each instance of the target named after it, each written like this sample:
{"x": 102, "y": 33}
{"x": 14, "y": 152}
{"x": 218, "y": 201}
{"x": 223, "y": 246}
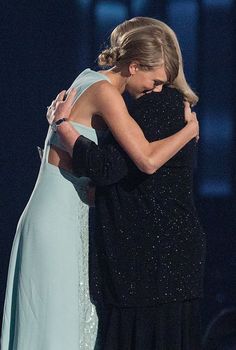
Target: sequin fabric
{"x": 149, "y": 246}
{"x": 88, "y": 319}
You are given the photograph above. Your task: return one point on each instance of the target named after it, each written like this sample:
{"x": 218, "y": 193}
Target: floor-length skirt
{"x": 47, "y": 303}
{"x": 170, "y": 326}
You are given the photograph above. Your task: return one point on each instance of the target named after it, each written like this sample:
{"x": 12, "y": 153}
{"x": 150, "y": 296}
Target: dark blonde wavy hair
{"x": 149, "y": 45}
{"x": 179, "y": 82}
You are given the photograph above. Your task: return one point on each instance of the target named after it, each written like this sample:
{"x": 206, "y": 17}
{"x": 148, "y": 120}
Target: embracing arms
{"x": 110, "y": 105}
{"x": 104, "y": 165}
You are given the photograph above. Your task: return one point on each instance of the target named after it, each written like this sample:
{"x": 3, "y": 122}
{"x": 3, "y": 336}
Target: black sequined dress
{"x": 148, "y": 251}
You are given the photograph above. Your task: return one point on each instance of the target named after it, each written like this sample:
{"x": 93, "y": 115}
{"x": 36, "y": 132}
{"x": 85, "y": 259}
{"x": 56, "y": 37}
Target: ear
{"x": 133, "y": 68}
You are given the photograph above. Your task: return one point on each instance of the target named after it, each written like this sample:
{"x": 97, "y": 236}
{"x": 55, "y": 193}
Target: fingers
{"x": 70, "y": 97}
{"x": 65, "y": 98}
{"x": 187, "y": 108}
{"x": 194, "y": 115}
{"x": 61, "y": 106}
{"x": 191, "y": 117}
{"x": 61, "y": 95}
{"x": 186, "y": 104}
{"x": 53, "y": 104}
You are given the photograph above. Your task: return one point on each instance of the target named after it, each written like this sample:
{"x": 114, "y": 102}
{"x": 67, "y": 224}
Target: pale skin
{"x": 102, "y": 102}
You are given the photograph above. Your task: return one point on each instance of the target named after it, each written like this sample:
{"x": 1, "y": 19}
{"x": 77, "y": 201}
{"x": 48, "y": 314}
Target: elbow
{"x": 150, "y": 171}
{"x": 148, "y": 166}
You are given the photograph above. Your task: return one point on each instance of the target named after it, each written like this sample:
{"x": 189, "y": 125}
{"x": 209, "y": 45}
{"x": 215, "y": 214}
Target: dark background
{"x": 45, "y": 44}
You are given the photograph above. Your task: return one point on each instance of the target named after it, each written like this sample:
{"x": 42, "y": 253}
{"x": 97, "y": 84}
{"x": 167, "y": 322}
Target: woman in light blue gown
{"x": 47, "y": 305}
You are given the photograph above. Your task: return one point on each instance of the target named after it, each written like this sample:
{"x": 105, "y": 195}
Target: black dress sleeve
{"x": 104, "y": 165}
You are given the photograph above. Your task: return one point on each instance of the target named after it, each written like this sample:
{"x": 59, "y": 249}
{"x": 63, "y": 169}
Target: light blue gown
{"x": 47, "y": 303}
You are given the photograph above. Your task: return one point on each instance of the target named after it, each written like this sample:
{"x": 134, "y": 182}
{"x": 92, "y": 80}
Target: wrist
{"x": 57, "y": 123}
{"x": 192, "y": 130}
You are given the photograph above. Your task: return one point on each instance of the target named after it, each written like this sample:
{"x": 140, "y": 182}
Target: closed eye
{"x": 160, "y": 82}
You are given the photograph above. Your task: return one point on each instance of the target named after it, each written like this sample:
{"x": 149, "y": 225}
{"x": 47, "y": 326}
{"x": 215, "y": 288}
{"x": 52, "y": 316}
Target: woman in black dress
{"x": 148, "y": 251}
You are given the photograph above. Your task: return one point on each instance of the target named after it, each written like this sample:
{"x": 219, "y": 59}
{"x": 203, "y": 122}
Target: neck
{"x": 117, "y": 77}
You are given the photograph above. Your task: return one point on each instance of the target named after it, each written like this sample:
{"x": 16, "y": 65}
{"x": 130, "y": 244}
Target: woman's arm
{"x": 110, "y": 105}
{"x": 149, "y": 157}
{"x": 108, "y": 163}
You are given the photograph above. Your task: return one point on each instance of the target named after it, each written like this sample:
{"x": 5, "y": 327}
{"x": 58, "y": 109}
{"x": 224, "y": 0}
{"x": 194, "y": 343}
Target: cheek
{"x": 149, "y": 85}
{"x": 138, "y": 84}
{"x": 141, "y": 83}
{"x": 134, "y": 81}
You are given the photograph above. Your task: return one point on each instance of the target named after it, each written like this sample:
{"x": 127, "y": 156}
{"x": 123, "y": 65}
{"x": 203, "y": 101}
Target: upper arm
{"x": 111, "y": 106}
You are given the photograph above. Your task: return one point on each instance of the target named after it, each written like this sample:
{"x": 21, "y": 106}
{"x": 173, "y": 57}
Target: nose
{"x": 158, "y": 88}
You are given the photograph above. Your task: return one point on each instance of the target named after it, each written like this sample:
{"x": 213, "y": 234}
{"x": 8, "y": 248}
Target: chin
{"x": 132, "y": 93}
{"x": 138, "y": 95}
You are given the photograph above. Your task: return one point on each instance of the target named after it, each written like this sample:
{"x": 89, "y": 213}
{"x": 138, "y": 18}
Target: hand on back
{"x": 61, "y": 107}
{"x": 191, "y": 118}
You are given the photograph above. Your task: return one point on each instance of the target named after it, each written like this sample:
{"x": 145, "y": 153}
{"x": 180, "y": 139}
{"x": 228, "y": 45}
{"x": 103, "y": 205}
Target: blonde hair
{"x": 179, "y": 82}
{"x": 149, "y": 45}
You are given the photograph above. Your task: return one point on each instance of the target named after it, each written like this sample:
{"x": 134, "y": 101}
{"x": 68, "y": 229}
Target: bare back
{"x": 84, "y": 112}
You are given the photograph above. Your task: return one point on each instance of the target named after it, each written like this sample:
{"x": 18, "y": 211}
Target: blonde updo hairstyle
{"x": 149, "y": 45}
{"x": 179, "y": 82}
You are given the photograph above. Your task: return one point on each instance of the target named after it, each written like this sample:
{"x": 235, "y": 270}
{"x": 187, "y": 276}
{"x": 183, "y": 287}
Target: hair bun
{"x": 109, "y": 57}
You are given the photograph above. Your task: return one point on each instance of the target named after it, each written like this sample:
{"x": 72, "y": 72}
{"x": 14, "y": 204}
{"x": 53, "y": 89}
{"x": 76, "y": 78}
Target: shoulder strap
{"x": 86, "y": 79}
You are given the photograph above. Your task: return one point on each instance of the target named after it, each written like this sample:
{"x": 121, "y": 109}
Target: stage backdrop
{"x": 45, "y": 44}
